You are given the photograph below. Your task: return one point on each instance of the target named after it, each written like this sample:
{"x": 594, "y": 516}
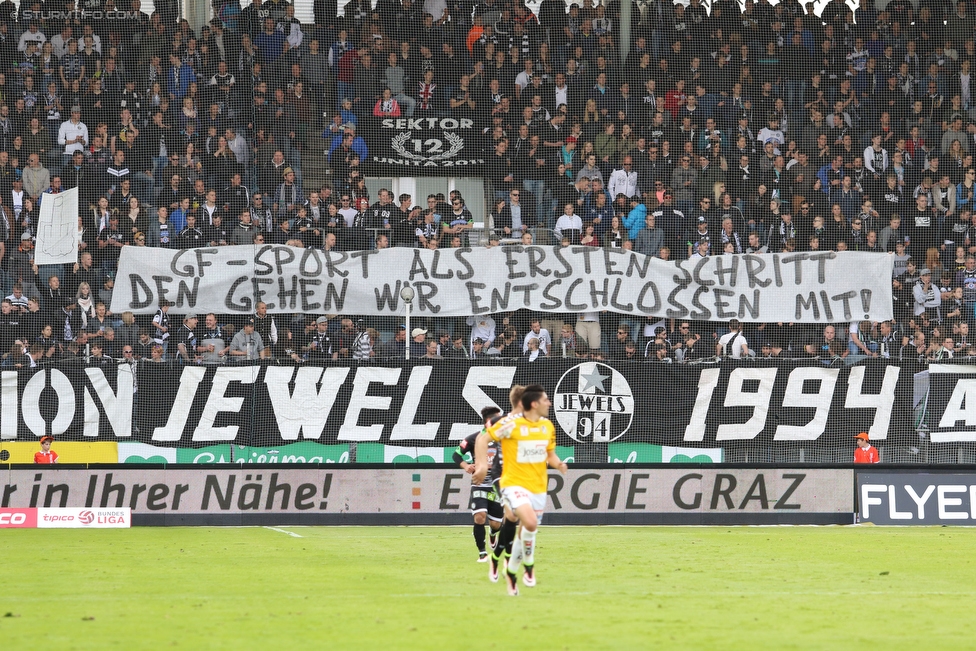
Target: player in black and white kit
{"x": 486, "y": 506}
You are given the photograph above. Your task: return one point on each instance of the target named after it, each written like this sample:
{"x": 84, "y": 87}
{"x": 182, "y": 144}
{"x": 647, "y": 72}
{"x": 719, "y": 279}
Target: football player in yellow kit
{"x": 528, "y": 445}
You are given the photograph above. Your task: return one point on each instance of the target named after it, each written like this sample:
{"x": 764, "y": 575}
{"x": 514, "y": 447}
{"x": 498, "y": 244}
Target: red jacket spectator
{"x": 865, "y": 452}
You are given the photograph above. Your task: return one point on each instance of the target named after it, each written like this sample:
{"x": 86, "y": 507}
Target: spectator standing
{"x": 928, "y": 299}
{"x": 179, "y": 78}
{"x": 865, "y": 452}
{"x": 616, "y": 349}
{"x": 397, "y": 81}
{"x": 46, "y": 455}
{"x": 212, "y": 338}
{"x": 457, "y": 350}
{"x": 319, "y": 344}
{"x": 624, "y": 180}
{"x": 650, "y": 239}
{"x": 288, "y": 196}
{"x": 160, "y": 324}
{"x": 569, "y": 225}
{"x": 482, "y": 327}
{"x": 161, "y": 232}
{"x": 186, "y": 340}
{"x": 73, "y": 135}
{"x": 246, "y": 344}
{"x": 536, "y": 331}
{"x": 418, "y": 343}
{"x": 684, "y": 181}
{"x": 362, "y": 347}
{"x": 733, "y": 343}
{"x": 265, "y": 326}
{"x": 512, "y": 218}
{"x": 458, "y": 221}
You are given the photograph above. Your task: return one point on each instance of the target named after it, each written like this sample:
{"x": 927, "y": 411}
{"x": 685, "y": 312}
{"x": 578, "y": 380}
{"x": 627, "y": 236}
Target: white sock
{"x": 516, "y": 558}
{"x": 528, "y": 546}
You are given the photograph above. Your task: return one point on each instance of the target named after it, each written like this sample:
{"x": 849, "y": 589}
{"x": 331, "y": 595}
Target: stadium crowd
{"x": 723, "y": 130}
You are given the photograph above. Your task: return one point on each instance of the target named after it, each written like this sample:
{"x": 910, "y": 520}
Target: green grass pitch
{"x": 420, "y": 588}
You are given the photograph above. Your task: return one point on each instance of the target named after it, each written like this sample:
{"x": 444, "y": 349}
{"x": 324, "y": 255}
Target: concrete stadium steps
{"x": 315, "y": 167}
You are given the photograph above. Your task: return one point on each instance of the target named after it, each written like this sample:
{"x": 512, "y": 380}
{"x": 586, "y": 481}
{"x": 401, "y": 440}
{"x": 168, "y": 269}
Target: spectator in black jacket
{"x": 513, "y": 218}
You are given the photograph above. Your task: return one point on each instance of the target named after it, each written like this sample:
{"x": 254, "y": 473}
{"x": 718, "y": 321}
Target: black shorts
{"x": 486, "y": 500}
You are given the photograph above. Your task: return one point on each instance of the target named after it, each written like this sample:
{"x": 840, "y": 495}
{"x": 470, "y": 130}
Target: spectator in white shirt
{"x": 569, "y": 225}
{"x": 73, "y": 135}
{"x": 536, "y": 331}
{"x": 60, "y": 41}
{"x": 733, "y": 344}
{"x": 482, "y": 327}
{"x": 624, "y": 180}
{"x": 32, "y": 35}
{"x": 347, "y": 210}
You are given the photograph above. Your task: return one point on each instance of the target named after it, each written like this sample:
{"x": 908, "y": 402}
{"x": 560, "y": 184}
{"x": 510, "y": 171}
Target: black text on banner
{"x": 797, "y": 288}
{"x": 592, "y": 495}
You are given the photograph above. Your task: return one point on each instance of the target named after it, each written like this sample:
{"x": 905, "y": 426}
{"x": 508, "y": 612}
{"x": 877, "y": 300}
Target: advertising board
{"x": 421, "y": 494}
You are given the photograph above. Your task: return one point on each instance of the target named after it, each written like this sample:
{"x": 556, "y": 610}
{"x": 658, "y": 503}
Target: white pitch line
{"x": 290, "y": 533}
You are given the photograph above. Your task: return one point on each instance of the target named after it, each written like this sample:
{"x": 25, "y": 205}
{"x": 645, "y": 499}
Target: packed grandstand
{"x": 697, "y": 131}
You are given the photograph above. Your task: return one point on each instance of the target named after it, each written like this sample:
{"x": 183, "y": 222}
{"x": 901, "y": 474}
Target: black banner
{"x": 594, "y": 403}
{"x": 84, "y": 402}
{"x": 917, "y": 498}
{"x": 425, "y": 147}
{"x": 951, "y": 404}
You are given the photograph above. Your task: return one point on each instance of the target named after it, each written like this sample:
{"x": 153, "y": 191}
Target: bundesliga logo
{"x": 593, "y": 402}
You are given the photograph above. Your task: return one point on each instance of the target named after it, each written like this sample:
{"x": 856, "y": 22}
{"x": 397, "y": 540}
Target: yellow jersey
{"x": 525, "y": 447}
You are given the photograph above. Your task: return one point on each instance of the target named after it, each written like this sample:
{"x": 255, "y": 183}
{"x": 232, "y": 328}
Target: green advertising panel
{"x": 633, "y": 453}
{"x": 140, "y": 453}
{"x": 301, "y": 452}
{"x": 209, "y": 454}
{"x": 566, "y": 452}
{"x": 379, "y": 453}
{"x": 649, "y": 453}
{"x": 145, "y": 453}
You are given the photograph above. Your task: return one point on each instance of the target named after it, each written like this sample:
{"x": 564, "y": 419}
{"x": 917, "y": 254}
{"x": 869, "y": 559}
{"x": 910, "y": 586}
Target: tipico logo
{"x": 593, "y": 402}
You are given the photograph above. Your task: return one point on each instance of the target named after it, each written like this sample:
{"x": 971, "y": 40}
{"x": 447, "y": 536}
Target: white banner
{"x": 799, "y": 287}
{"x": 722, "y": 495}
{"x": 57, "y": 229}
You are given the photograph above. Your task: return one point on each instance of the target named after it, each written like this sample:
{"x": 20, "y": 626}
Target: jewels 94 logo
{"x": 593, "y": 402}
